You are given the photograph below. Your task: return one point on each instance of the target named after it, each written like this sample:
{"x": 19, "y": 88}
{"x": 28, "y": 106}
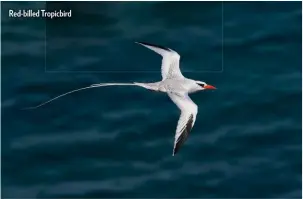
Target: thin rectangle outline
{"x": 137, "y": 71}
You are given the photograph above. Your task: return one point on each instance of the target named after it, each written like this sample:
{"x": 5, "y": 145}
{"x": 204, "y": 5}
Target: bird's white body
{"x": 174, "y": 84}
{"x": 181, "y": 85}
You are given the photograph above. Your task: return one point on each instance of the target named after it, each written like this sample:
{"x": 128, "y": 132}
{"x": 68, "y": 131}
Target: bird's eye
{"x": 202, "y": 85}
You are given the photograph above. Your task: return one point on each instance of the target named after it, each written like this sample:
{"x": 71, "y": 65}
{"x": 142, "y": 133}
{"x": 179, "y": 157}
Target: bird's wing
{"x": 187, "y": 118}
{"x": 170, "y": 60}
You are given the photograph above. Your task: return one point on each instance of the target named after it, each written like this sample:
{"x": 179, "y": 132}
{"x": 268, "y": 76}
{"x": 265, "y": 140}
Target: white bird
{"x": 174, "y": 84}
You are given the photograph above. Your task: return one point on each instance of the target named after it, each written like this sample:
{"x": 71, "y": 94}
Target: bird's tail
{"x": 150, "y": 86}
{"x": 92, "y": 86}
{"x": 141, "y": 85}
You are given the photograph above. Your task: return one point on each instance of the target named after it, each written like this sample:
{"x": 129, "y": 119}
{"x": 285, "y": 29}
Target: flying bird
{"x": 174, "y": 84}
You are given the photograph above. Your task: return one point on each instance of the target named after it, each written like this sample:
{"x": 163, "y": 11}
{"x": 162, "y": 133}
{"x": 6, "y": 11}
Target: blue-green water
{"x": 117, "y": 141}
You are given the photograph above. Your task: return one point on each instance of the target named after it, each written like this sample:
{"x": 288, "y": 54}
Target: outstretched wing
{"x": 170, "y": 62}
{"x": 187, "y": 118}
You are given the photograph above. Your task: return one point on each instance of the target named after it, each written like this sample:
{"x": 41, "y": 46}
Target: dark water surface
{"x": 117, "y": 141}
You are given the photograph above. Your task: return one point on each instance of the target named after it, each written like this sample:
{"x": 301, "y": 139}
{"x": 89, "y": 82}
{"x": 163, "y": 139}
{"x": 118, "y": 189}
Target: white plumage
{"x": 174, "y": 84}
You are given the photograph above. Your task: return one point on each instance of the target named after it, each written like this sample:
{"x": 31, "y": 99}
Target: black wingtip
{"x": 154, "y": 45}
{"x": 174, "y": 152}
{"x": 184, "y": 135}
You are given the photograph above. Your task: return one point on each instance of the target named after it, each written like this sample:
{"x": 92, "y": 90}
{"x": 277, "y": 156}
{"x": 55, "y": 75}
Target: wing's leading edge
{"x": 170, "y": 62}
{"x": 187, "y": 118}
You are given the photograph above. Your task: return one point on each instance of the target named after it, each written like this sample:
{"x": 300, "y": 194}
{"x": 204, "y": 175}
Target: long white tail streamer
{"x": 91, "y": 86}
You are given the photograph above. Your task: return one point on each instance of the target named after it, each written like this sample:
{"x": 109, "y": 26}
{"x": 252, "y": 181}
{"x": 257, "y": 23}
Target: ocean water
{"x": 116, "y": 142}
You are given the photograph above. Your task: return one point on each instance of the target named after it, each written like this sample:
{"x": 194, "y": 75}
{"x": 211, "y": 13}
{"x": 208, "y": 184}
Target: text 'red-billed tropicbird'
{"x": 174, "y": 84}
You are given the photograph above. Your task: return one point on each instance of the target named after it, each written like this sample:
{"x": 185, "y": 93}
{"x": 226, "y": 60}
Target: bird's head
{"x": 204, "y": 86}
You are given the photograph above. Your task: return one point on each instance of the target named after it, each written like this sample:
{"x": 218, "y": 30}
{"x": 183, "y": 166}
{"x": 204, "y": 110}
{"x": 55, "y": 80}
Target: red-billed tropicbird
{"x": 174, "y": 84}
